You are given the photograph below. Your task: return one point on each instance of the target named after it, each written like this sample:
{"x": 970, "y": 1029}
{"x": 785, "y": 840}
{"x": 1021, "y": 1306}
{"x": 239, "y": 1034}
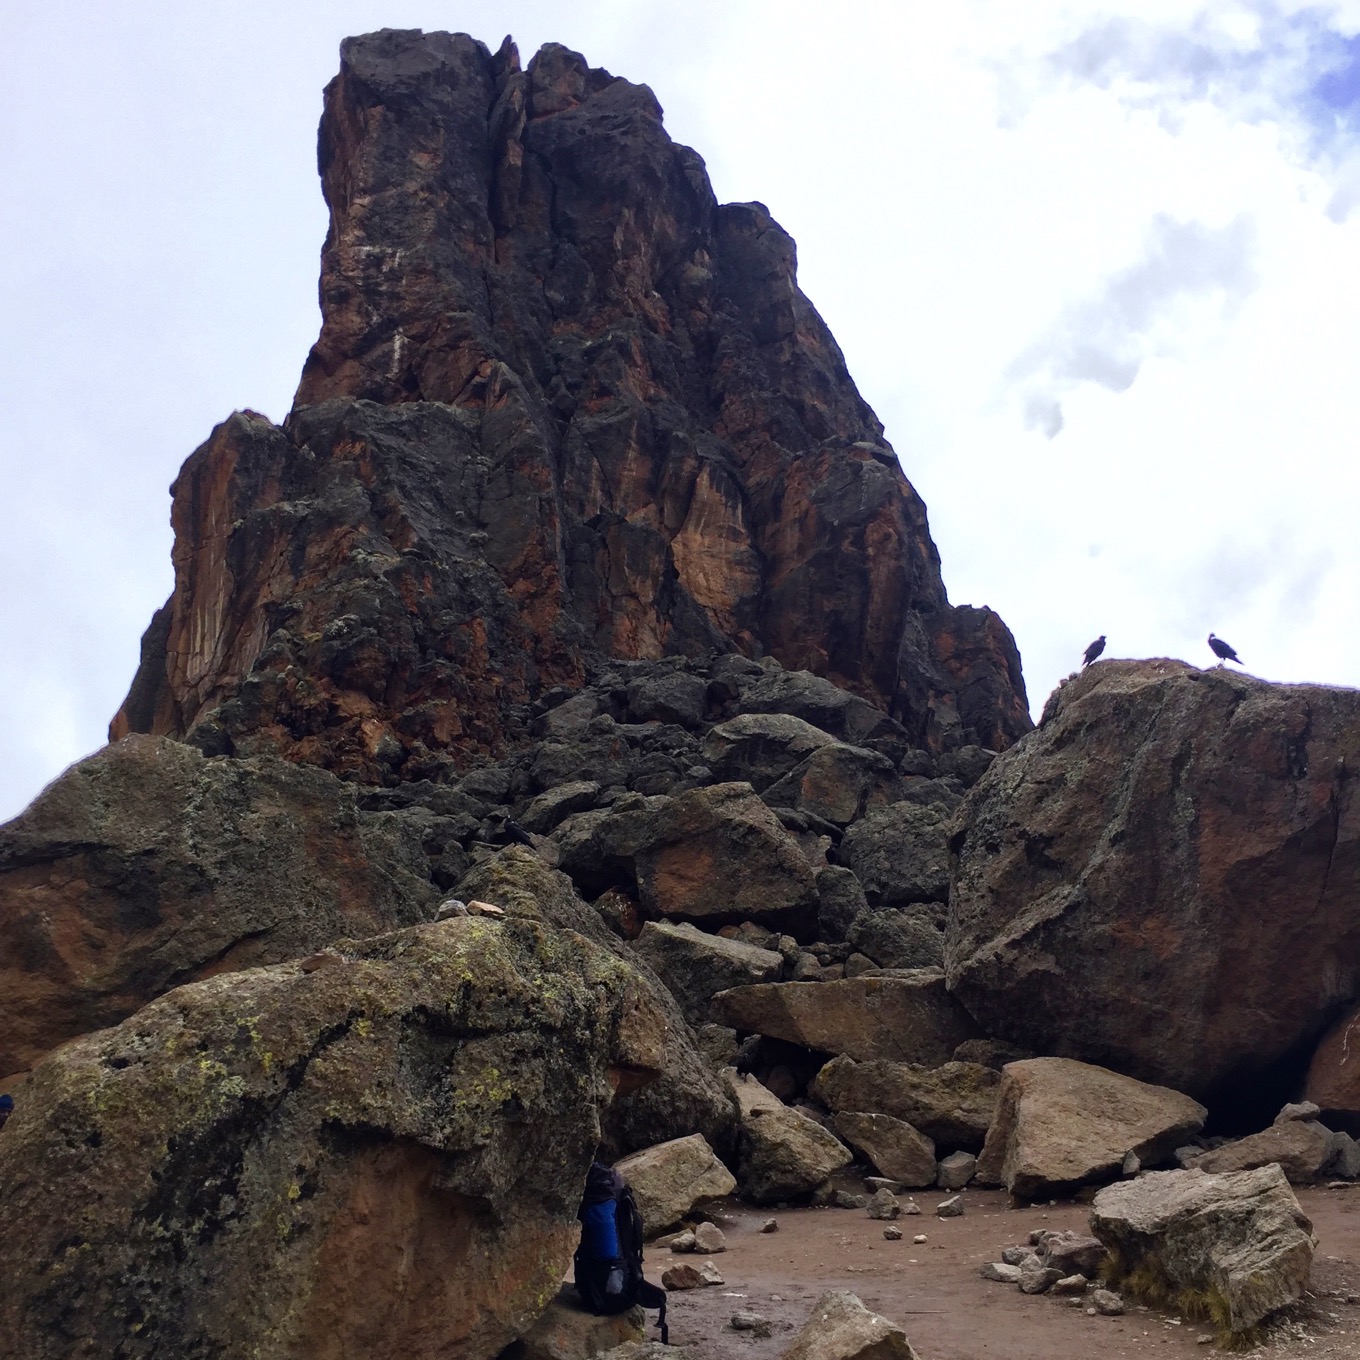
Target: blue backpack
{"x": 609, "y": 1259}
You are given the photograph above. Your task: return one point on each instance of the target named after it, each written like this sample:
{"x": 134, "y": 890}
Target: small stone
{"x": 872, "y": 1183}
{"x": 708, "y": 1273}
{"x": 1107, "y": 1303}
{"x": 682, "y": 1242}
{"x": 1037, "y": 1278}
{"x": 950, "y": 1208}
{"x": 911, "y": 1206}
{"x": 1001, "y": 1272}
{"x": 884, "y": 1205}
{"x": 750, "y": 1322}
{"x": 1132, "y": 1164}
{"x": 955, "y": 1171}
{"x": 1070, "y": 1284}
{"x": 681, "y": 1277}
{"x": 919, "y": 1238}
{"x": 843, "y": 1199}
{"x": 709, "y": 1239}
{"x": 892, "y": 1234}
{"x": 485, "y": 909}
{"x": 450, "y": 907}
{"x": 1203, "y": 1339}
{"x": 770, "y": 1225}
{"x": 1017, "y": 1256}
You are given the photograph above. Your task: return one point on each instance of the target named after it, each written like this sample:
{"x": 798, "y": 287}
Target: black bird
{"x": 1222, "y": 651}
{"x": 1093, "y": 651}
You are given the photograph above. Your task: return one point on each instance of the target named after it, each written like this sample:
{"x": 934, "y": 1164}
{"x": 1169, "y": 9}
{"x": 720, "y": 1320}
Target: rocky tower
{"x": 564, "y": 406}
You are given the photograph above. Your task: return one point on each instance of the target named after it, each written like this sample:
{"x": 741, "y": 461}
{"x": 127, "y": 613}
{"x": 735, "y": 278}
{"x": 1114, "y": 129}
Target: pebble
{"x": 682, "y": 1242}
{"x": 919, "y": 1238}
{"x": 485, "y": 909}
{"x": 911, "y": 1206}
{"x": 893, "y": 1234}
{"x": 708, "y": 1273}
{"x": 950, "y": 1208}
{"x": 709, "y": 1239}
{"x": 770, "y": 1225}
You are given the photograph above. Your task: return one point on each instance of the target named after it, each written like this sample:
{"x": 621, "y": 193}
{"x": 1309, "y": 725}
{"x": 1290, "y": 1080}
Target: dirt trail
{"x": 949, "y": 1313}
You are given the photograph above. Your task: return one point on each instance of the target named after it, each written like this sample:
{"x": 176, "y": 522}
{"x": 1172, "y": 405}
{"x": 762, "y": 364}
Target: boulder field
{"x": 559, "y": 741}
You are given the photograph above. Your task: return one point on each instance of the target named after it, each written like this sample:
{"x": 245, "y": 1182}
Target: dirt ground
{"x": 949, "y": 1312}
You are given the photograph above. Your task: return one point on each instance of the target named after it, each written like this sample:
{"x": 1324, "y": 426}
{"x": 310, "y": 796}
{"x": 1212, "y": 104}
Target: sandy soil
{"x": 949, "y": 1313}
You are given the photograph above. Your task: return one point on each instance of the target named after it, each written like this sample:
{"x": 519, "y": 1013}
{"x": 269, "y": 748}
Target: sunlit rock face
{"x": 564, "y": 405}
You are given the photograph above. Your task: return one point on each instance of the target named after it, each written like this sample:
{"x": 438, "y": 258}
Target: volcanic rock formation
{"x": 564, "y": 405}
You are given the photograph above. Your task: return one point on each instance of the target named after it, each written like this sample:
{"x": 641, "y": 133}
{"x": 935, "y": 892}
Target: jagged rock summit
{"x": 564, "y": 407}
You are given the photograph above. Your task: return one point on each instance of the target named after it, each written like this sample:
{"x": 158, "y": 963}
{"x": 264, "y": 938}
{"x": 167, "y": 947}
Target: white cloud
{"x": 1141, "y": 310}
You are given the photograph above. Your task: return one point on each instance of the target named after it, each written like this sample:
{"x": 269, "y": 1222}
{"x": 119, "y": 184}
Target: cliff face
{"x": 563, "y": 406}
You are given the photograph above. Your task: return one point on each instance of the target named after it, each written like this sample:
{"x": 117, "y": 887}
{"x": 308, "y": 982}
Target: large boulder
{"x": 781, "y": 1153}
{"x": 1232, "y": 1248}
{"x": 1301, "y": 1148}
{"x": 760, "y": 748}
{"x": 384, "y": 1155}
{"x": 837, "y": 783}
{"x": 840, "y": 901}
{"x": 714, "y": 855}
{"x": 686, "y": 1096}
{"x": 1060, "y": 1124}
{"x": 147, "y": 865}
{"x": 895, "y": 1149}
{"x": 670, "y": 1179}
{"x": 901, "y": 853}
{"x": 1165, "y": 878}
{"x": 902, "y": 1019}
{"x": 840, "y": 1327}
{"x": 898, "y": 939}
{"x": 695, "y": 965}
{"x": 826, "y": 706}
{"x": 953, "y": 1104}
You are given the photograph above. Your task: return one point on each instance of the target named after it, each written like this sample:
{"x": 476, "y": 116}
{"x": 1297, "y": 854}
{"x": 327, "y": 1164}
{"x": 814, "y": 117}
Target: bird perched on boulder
{"x": 1222, "y": 650}
{"x": 1093, "y": 651}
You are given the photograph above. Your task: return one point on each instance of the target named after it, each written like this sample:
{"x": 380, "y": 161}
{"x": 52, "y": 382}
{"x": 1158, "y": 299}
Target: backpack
{"x": 609, "y": 1260}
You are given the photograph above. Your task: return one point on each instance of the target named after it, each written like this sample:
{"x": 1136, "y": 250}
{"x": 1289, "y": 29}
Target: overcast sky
{"x": 1096, "y": 266}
